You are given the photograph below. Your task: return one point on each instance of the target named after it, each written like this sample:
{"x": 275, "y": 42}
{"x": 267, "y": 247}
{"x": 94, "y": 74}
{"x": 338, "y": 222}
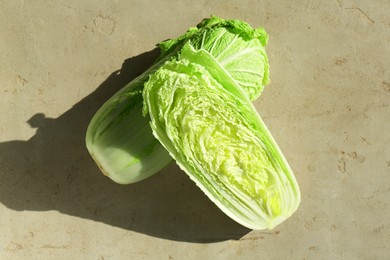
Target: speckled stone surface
{"x": 328, "y": 107}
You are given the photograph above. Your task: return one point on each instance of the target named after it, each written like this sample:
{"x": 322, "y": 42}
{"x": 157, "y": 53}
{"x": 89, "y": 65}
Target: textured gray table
{"x": 327, "y": 106}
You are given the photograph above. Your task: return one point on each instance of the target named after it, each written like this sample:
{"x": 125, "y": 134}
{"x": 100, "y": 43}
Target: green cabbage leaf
{"x": 235, "y": 45}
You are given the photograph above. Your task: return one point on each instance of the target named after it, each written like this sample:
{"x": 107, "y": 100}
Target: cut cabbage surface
{"x": 207, "y": 123}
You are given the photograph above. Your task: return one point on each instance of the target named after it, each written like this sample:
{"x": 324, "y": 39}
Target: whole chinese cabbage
{"x": 119, "y": 137}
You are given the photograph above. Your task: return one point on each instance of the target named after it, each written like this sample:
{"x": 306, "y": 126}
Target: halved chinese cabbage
{"x": 209, "y": 126}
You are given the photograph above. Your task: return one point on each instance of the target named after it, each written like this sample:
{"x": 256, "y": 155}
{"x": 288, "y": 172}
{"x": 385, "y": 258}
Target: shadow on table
{"x": 53, "y": 171}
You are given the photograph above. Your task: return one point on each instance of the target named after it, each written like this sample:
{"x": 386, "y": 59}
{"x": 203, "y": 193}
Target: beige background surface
{"x": 327, "y": 107}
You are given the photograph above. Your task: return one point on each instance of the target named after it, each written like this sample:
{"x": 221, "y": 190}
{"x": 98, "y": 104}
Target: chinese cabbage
{"x": 209, "y": 126}
{"x": 119, "y": 138}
